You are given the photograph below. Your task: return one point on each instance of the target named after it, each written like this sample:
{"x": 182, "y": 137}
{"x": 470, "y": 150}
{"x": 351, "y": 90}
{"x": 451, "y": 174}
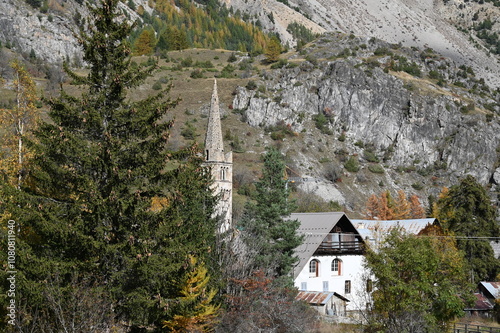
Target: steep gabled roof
{"x": 315, "y": 227}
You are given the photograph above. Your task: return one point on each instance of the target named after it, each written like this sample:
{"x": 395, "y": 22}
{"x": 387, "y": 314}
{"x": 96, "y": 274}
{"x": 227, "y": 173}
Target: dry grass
{"x": 478, "y": 321}
{"x": 326, "y": 327}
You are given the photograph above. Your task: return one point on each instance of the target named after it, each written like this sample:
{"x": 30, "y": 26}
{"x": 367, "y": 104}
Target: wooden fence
{"x": 469, "y": 328}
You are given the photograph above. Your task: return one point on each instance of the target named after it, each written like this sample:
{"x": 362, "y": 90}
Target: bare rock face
{"x": 48, "y": 35}
{"x": 424, "y": 130}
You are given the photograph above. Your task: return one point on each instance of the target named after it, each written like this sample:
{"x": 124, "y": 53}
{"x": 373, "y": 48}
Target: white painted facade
{"x": 331, "y": 259}
{"x": 345, "y": 277}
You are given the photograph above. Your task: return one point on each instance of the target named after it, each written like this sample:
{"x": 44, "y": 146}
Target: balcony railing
{"x": 340, "y": 243}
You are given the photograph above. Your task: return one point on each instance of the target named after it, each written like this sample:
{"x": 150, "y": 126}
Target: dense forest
{"x": 195, "y": 25}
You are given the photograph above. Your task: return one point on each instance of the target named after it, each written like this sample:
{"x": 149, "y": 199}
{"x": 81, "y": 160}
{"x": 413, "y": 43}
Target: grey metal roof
{"x": 366, "y": 228}
{"x": 492, "y": 287}
{"x": 315, "y": 227}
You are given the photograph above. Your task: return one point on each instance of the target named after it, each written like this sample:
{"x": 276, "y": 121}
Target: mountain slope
{"x": 426, "y": 23}
{"x": 413, "y": 132}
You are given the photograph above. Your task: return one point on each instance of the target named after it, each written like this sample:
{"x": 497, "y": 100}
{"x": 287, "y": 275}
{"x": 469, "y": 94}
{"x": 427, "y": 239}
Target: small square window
{"x": 348, "y": 286}
{"x": 303, "y": 286}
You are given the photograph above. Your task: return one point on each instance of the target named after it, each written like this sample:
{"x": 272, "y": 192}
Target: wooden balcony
{"x": 340, "y": 244}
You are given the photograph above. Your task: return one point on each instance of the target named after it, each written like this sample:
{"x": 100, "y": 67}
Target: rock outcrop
{"x": 422, "y": 133}
{"x": 48, "y": 36}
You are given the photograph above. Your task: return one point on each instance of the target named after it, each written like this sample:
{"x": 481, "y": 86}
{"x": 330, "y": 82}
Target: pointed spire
{"x": 214, "y": 147}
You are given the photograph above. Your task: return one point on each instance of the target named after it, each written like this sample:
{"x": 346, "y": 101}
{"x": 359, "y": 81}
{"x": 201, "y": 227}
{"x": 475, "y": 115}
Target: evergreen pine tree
{"x": 266, "y": 230}
{"x": 466, "y": 210}
{"x": 101, "y": 167}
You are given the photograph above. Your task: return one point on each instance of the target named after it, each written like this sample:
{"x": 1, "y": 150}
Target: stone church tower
{"x": 220, "y": 163}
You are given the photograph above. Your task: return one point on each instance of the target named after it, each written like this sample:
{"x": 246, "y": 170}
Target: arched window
{"x": 314, "y": 268}
{"x": 336, "y": 267}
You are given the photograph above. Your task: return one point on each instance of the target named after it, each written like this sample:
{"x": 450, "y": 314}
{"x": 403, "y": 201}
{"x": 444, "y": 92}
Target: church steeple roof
{"x": 214, "y": 147}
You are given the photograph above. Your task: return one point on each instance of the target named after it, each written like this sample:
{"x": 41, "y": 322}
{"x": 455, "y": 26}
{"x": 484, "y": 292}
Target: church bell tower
{"x": 220, "y": 163}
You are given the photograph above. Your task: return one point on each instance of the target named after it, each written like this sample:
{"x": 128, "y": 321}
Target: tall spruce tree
{"x": 108, "y": 203}
{"x": 267, "y": 231}
{"x": 466, "y": 210}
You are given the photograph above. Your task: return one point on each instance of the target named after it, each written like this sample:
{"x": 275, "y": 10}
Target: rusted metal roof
{"x": 314, "y": 297}
{"x": 318, "y": 297}
{"x": 481, "y": 304}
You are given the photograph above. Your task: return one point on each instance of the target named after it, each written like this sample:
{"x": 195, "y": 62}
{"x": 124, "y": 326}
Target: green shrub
{"x": 197, "y": 74}
{"x": 352, "y": 164}
{"x": 359, "y": 144}
{"x": 280, "y": 64}
{"x": 227, "y": 72}
{"x": 376, "y": 168}
{"x": 434, "y": 75}
{"x": 251, "y": 85}
{"x": 189, "y": 132}
{"x": 280, "y": 131}
{"x": 417, "y": 186}
{"x": 370, "y": 156}
{"x": 232, "y": 58}
{"x": 204, "y": 64}
{"x": 156, "y": 85}
{"x": 188, "y": 62}
{"x": 322, "y": 122}
{"x": 381, "y": 51}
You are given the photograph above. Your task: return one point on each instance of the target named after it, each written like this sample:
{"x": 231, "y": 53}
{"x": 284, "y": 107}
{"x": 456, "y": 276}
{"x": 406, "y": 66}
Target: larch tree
{"x": 417, "y": 211}
{"x": 145, "y": 44}
{"x": 466, "y": 211}
{"x": 384, "y": 207}
{"x": 194, "y": 309}
{"x": 17, "y": 124}
{"x": 402, "y": 207}
{"x": 272, "y": 50}
{"x": 266, "y": 229}
{"x": 107, "y": 202}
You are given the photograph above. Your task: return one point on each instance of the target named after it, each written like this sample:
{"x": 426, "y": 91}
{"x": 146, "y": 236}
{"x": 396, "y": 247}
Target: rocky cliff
{"x": 46, "y": 36}
{"x": 47, "y": 33}
{"x": 406, "y": 131}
